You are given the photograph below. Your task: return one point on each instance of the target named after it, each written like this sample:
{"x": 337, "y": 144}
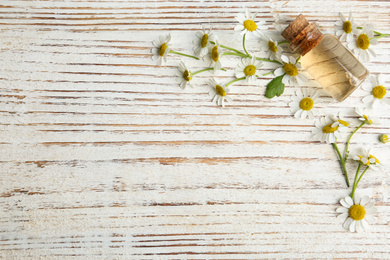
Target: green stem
{"x": 246, "y": 56}
{"x": 243, "y": 45}
{"x": 380, "y": 35}
{"x": 234, "y": 80}
{"x": 228, "y": 48}
{"x": 357, "y": 183}
{"x": 265, "y": 74}
{"x": 268, "y": 60}
{"x": 183, "y": 54}
{"x": 354, "y": 180}
{"x": 349, "y": 139}
{"x": 342, "y": 163}
{"x": 235, "y": 54}
{"x": 200, "y": 71}
{"x": 283, "y": 42}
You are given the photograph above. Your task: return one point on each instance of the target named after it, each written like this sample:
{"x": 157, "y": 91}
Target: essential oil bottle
{"x": 325, "y": 58}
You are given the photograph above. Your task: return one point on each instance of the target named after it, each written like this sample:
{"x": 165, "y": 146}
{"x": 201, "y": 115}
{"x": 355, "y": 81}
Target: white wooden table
{"x": 103, "y": 156}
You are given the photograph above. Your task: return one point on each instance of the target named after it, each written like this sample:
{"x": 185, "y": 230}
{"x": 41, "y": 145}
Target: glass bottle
{"x": 322, "y": 55}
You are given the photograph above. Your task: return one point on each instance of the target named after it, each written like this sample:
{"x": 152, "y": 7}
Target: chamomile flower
{"x": 366, "y": 158}
{"x": 290, "y": 70}
{"x": 247, "y": 68}
{"x": 346, "y": 28}
{"x": 161, "y": 49}
{"x": 361, "y": 45}
{"x": 248, "y": 26}
{"x": 358, "y": 211}
{"x": 384, "y": 138}
{"x": 214, "y": 56}
{"x": 327, "y": 129}
{"x": 302, "y": 104}
{"x": 202, "y": 43}
{"x": 271, "y": 48}
{"x": 367, "y": 116}
{"x": 377, "y": 92}
{"x": 184, "y": 76}
{"x": 219, "y": 92}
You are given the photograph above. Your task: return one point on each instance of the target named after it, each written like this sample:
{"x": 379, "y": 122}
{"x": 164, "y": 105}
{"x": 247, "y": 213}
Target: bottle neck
{"x": 306, "y": 39}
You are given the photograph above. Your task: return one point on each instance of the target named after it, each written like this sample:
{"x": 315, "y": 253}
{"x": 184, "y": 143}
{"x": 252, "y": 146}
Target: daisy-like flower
{"x": 361, "y": 45}
{"x": 346, "y": 28}
{"x": 271, "y": 48}
{"x": 367, "y": 116}
{"x": 366, "y": 158}
{"x": 202, "y": 43}
{"x": 290, "y": 70}
{"x": 248, "y": 26}
{"x": 161, "y": 49}
{"x": 219, "y": 92}
{"x": 214, "y": 57}
{"x": 384, "y": 138}
{"x": 358, "y": 212}
{"x": 327, "y": 129}
{"x": 377, "y": 92}
{"x": 247, "y": 68}
{"x": 185, "y": 76}
{"x": 302, "y": 104}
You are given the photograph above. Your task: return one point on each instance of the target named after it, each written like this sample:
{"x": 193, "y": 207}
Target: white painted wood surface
{"x": 104, "y": 156}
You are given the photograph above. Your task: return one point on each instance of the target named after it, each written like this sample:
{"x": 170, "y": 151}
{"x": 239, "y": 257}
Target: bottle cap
{"x": 302, "y": 36}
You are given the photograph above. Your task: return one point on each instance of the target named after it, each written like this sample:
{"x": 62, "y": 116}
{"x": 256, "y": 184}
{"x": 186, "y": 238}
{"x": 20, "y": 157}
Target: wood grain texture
{"x": 103, "y": 156}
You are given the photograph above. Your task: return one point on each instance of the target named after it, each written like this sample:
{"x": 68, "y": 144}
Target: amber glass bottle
{"x": 325, "y": 58}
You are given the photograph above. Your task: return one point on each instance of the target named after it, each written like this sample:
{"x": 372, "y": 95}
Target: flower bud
{"x": 384, "y": 138}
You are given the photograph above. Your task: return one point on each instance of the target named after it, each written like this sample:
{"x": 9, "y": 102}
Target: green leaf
{"x": 275, "y": 87}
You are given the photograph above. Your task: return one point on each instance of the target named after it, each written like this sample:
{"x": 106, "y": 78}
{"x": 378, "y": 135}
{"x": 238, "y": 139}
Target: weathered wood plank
{"x": 104, "y": 156}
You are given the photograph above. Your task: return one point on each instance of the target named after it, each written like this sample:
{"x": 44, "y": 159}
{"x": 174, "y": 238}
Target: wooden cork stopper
{"x": 295, "y": 28}
{"x": 302, "y": 36}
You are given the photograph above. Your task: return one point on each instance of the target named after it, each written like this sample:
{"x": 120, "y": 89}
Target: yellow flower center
{"x": 187, "y": 75}
{"x": 347, "y": 27}
{"x": 328, "y": 129}
{"x": 368, "y": 121}
{"x": 272, "y": 46}
{"x": 357, "y": 212}
{"x": 205, "y": 40}
{"x": 220, "y": 90}
{"x": 363, "y": 42}
{"x": 162, "y": 49}
{"x": 379, "y": 92}
{"x": 384, "y": 138}
{"x": 376, "y": 159}
{"x": 250, "y": 70}
{"x": 250, "y": 25}
{"x": 367, "y": 163}
{"x": 215, "y": 54}
{"x": 306, "y": 103}
{"x": 290, "y": 69}
{"x": 344, "y": 123}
